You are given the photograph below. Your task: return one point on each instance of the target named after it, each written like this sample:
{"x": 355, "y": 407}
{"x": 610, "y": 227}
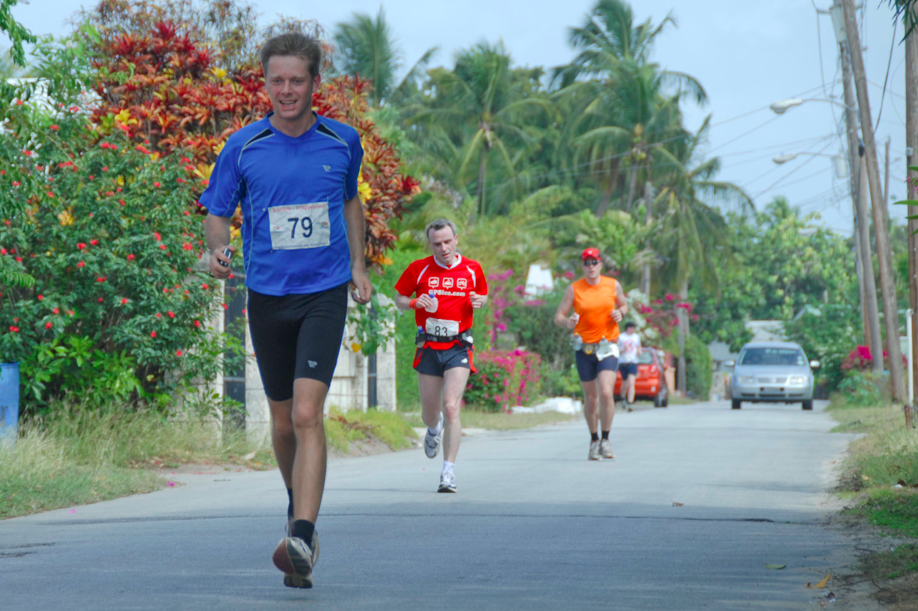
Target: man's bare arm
{"x": 356, "y": 240}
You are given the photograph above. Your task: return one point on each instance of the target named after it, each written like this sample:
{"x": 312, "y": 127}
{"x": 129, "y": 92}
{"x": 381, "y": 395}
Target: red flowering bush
{"x": 661, "y": 317}
{"x": 501, "y": 297}
{"x": 858, "y": 359}
{"x": 104, "y": 229}
{"x": 505, "y": 378}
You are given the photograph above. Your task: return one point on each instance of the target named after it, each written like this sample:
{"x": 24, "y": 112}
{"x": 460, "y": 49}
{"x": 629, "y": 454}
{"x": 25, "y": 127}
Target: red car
{"x": 649, "y": 384}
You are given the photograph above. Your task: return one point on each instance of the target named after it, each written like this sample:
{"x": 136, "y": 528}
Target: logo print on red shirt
{"x": 433, "y": 282}
{"x": 447, "y": 283}
{"x": 461, "y": 283}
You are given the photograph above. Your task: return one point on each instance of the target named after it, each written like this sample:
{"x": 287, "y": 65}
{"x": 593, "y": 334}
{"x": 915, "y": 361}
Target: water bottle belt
{"x": 447, "y": 338}
{"x": 589, "y": 348}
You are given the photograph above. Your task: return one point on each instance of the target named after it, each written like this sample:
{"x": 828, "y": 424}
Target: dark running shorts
{"x": 628, "y": 369}
{"x": 588, "y": 366}
{"x": 296, "y": 336}
{"x": 434, "y": 362}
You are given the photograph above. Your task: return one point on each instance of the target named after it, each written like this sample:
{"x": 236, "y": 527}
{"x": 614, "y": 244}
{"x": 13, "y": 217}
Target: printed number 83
{"x": 306, "y": 224}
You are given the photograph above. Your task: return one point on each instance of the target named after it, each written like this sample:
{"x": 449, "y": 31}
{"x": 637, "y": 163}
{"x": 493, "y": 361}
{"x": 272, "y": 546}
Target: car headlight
{"x": 798, "y": 380}
{"x": 747, "y": 379}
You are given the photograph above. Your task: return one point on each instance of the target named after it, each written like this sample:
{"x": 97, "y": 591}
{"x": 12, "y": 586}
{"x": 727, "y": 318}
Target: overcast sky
{"x": 746, "y": 54}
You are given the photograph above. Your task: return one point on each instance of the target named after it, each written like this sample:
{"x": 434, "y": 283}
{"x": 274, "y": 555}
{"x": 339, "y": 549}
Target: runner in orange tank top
{"x": 599, "y": 305}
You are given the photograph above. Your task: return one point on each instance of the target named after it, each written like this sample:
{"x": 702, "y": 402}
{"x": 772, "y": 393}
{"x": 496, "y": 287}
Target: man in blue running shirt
{"x": 294, "y": 173}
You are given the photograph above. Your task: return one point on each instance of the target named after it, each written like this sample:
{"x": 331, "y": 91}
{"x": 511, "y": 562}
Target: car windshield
{"x": 645, "y": 358}
{"x": 772, "y": 356}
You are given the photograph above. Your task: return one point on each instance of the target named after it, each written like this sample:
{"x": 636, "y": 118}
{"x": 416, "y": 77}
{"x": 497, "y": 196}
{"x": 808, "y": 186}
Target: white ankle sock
{"x": 448, "y": 466}
{"x": 436, "y": 431}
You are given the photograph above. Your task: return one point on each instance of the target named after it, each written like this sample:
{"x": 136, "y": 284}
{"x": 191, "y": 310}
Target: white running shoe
{"x": 432, "y": 442}
{"x": 296, "y": 560}
{"x": 447, "y": 482}
{"x": 605, "y": 449}
{"x": 594, "y": 451}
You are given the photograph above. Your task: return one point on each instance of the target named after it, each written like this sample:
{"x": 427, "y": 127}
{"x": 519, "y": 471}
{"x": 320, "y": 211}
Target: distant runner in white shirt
{"x": 629, "y": 346}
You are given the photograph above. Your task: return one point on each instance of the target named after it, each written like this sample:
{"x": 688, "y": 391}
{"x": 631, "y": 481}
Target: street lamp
{"x": 841, "y": 168}
{"x": 781, "y": 106}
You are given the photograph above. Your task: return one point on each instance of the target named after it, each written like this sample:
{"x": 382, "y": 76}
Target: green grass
{"x": 477, "y": 419}
{"x": 344, "y": 428}
{"x": 887, "y": 452}
{"x": 78, "y": 456}
{"x": 895, "y": 511}
{"x": 39, "y": 475}
{"x": 899, "y": 561}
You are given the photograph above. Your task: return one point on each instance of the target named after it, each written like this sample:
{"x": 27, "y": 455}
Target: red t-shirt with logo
{"x": 452, "y": 287}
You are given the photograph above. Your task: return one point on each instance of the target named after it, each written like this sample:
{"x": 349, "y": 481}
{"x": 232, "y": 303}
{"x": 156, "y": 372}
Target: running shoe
{"x": 296, "y": 560}
{"x": 432, "y": 442}
{"x": 447, "y": 482}
{"x": 594, "y": 451}
{"x": 605, "y": 449}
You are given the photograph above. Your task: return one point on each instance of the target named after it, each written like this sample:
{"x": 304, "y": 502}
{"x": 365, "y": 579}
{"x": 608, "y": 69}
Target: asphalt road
{"x": 534, "y": 526}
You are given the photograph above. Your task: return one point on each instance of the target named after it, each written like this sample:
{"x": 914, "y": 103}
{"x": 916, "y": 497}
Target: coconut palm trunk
{"x": 632, "y": 186}
{"x": 482, "y": 174}
{"x": 648, "y": 219}
{"x": 682, "y": 316}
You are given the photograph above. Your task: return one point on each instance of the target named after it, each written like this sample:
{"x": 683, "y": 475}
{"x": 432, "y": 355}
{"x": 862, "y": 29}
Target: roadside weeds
{"x": 879, "y": 480}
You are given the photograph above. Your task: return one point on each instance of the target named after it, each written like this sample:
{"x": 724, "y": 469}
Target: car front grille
{"x": 767, "y": 380}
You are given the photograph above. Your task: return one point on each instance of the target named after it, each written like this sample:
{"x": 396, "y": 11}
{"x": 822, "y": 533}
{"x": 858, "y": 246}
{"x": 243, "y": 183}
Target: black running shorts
{"x": 434, "y": 362}
{"x": 588, "y": 366}
{"x": 296, "y": 336}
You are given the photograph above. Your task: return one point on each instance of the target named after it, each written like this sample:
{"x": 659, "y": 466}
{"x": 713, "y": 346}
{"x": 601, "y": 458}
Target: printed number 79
{"x": 305, "y": 222}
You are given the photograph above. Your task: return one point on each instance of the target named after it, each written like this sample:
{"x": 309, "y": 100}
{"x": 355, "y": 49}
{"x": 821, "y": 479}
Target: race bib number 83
{"x": 299, "y": 226}
{"x": 443, "y": 328}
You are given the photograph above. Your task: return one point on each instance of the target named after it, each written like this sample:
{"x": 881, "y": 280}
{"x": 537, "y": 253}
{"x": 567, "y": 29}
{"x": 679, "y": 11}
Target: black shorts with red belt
{"x": 435, "y": 361}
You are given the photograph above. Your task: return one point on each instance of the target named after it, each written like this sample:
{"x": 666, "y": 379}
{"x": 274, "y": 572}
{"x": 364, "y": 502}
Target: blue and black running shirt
{"x": 292, "y": 192}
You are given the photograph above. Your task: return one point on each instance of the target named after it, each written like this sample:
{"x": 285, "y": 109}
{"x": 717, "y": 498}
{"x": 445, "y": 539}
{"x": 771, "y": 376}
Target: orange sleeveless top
{"x": 594, "y": 304}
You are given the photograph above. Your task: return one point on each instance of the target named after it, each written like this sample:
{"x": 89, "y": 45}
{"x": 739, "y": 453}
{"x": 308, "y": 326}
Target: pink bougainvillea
{"x": 506, "y": 378}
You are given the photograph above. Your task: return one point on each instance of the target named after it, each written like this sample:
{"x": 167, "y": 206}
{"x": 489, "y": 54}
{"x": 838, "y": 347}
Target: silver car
{"x": 772, "y": 372}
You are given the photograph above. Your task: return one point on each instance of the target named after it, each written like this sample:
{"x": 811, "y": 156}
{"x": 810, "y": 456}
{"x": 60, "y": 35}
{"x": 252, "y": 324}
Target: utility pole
{"x": 886, "y": 183}
{"x": 881, "y": 229}
{"x": 911, "y": 143}
{"x": 859, "y": 196}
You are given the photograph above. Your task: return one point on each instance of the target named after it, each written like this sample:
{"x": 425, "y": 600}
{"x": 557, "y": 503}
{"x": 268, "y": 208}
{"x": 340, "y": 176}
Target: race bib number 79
{"x": 299, "y": 226}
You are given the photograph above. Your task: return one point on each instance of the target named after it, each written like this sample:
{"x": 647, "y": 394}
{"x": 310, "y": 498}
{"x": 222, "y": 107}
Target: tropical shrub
{"x": 530, "y": 319}
{"x": 103, "y": 226}
{"x": 185, "y": 76}
{"x": 863, "y": 388}
{"x": 505, "y": 378}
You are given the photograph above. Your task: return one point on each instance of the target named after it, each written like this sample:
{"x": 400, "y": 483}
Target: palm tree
{"x": 628, "y": 105}
{"x": 367, "y": 47}
{"x": 475, "y": 112}
{"x": 691, "y": 229}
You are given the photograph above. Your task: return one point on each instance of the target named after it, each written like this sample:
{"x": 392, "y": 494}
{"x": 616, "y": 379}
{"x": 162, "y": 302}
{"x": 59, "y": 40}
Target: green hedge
{"x": 699, "y": 367}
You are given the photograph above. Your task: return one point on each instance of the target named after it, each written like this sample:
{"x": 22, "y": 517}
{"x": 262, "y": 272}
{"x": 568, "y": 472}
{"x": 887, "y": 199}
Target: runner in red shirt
{"x": 448, "y": 287}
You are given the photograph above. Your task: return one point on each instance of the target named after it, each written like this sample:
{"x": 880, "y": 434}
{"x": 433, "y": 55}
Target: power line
{"x": 744, "y": 134}
{"x": 807, "y": 177}
{"x": 776, "y": 168}
{"x": 892, "y": 45}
